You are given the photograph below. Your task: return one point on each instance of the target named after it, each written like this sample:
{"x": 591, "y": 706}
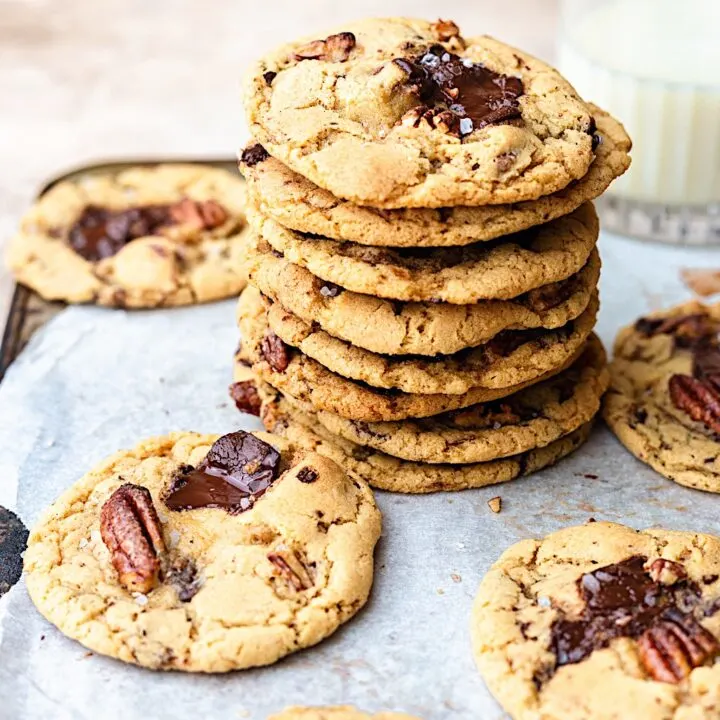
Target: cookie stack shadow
{"x": 424, "y": 348}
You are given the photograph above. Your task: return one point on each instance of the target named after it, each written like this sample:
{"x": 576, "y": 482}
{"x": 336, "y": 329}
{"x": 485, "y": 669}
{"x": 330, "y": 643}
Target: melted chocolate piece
{"x": 622, "y": 600}
{"x": 238, "y": 469}
{"x": 100, "y": 233}
{"x": 254, "y": 155}
{"x": 476, "y": 94}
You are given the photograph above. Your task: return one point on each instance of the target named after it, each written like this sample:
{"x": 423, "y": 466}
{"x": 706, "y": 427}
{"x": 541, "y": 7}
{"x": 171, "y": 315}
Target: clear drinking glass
{"x": 655, "y": 65}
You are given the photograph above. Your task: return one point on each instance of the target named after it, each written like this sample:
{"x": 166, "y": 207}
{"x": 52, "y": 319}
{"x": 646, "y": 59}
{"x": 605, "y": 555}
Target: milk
{"x": 655, "y": 65}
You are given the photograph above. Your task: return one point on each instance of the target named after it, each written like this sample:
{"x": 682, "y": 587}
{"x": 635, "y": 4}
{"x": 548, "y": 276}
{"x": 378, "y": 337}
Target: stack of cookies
{"x": 424, "y": 266}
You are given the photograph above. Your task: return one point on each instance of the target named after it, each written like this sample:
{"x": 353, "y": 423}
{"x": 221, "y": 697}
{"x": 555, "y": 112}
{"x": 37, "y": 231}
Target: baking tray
{"x": 28, "y": 312}
{"x": 409, "y": 649}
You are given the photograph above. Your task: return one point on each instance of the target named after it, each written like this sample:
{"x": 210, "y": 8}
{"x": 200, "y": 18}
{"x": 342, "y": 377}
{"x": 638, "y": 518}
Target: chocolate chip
{"x": 269, "y": 76}
{"x": 237, "y": 470}
{"x": 275, "y": 351}
{"x": 253, "y": 155}
{"x": 307, "y": 475}
{"x": 246, "y": 398}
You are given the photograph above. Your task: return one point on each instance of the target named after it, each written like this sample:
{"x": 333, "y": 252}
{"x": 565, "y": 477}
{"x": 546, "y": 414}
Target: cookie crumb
{"x": 701, "y": 281}
{"x": 455, "y": 577}
{"x": 495, "y": 504}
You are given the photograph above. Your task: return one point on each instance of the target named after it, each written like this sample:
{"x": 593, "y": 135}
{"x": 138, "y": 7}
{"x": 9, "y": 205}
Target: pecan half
{"x": 275, "y": 351}
{"x": 131, "y": 530}
{"x": 205, "y": 214}
{"x": 666, "y": 571}
{"x": 334, "y": 48}
{"x": 670, "y": 649}
{"x": 445, "y": 30}
{"x": 292, "y": 568}
{"x": 698, "y": 399}
{"x": 246, "y": 398}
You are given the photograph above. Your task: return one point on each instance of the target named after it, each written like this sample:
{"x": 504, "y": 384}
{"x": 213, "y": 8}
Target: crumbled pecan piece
{"x": 183, "y": 576}
{"x": 131, "y": 530}
{"x": 275, "y": 351}
{"x": 334, "y": 48}
{"x": 698, "y": 398}
{"x": 444, "y": 120}
{"x": 246, "y": 398}
{"x": 445, "y": 30}
{"x": 666, "y": 571}
{"x": 674, "y": 646}
{"x": 292, "y": 568}
{"x": 495, "y": 504}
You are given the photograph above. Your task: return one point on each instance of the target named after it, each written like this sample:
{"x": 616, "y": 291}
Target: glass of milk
{"x": 655, "y": 65}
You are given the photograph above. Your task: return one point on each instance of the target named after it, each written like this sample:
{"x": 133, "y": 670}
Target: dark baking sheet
{"x": 28, "y": 311}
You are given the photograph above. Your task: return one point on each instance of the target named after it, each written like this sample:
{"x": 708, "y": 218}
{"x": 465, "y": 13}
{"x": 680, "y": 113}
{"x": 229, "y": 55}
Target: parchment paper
{"x": 95, "y": 380}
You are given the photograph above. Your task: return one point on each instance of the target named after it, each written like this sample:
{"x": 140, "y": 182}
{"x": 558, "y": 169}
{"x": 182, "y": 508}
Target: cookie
{"x": 510, "y": 358}
{"x": 386, "y": 472}
{"x": 531, "y": 418}
{"x": 395, "y": 328}
{"x": 295, "y": 202}
{"x": 337, "y": 712}
{"x": 601, "y": 622}
{"x": 664, "y": 398}
{"x": 144, "y": 237}
{"x": 494, "y": 270}
{"x": 306, "y": 380}
{"x": 204, "y": 553}
{"x": 396, "y": 112}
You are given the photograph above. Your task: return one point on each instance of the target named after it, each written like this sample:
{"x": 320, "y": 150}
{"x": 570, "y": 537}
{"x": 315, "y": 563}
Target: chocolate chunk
{"x": 246, "y": 398}
{"x": 100, "y": 233}
{"x": 253, "y": 155}
{"x": 622, "y": 600}
{"x": 307, "y": 475}
{"x": 275, "y": 351}
{"x": 467, "y": 89}
{"x": 13, "y": 540}
{"x": 238, "y": 469}
{"x": 269, "y": 76}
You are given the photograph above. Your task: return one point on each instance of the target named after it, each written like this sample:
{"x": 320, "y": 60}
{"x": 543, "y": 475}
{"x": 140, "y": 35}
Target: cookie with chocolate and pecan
{"x": 396, "y": 328}
{"x": 396, "y": 112}
{"x": 293, "y": 372}
{"x": 295, "y": 202}
{"x": 204, "y": 553}
{"x": 531, "y": 418}
{"x": 493, "y": 270}
{"x": 144, "y": 237}
{"x": 387, "y": 472}
{"x": 599, "y": 622}
{"x": 664, "y": 398}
